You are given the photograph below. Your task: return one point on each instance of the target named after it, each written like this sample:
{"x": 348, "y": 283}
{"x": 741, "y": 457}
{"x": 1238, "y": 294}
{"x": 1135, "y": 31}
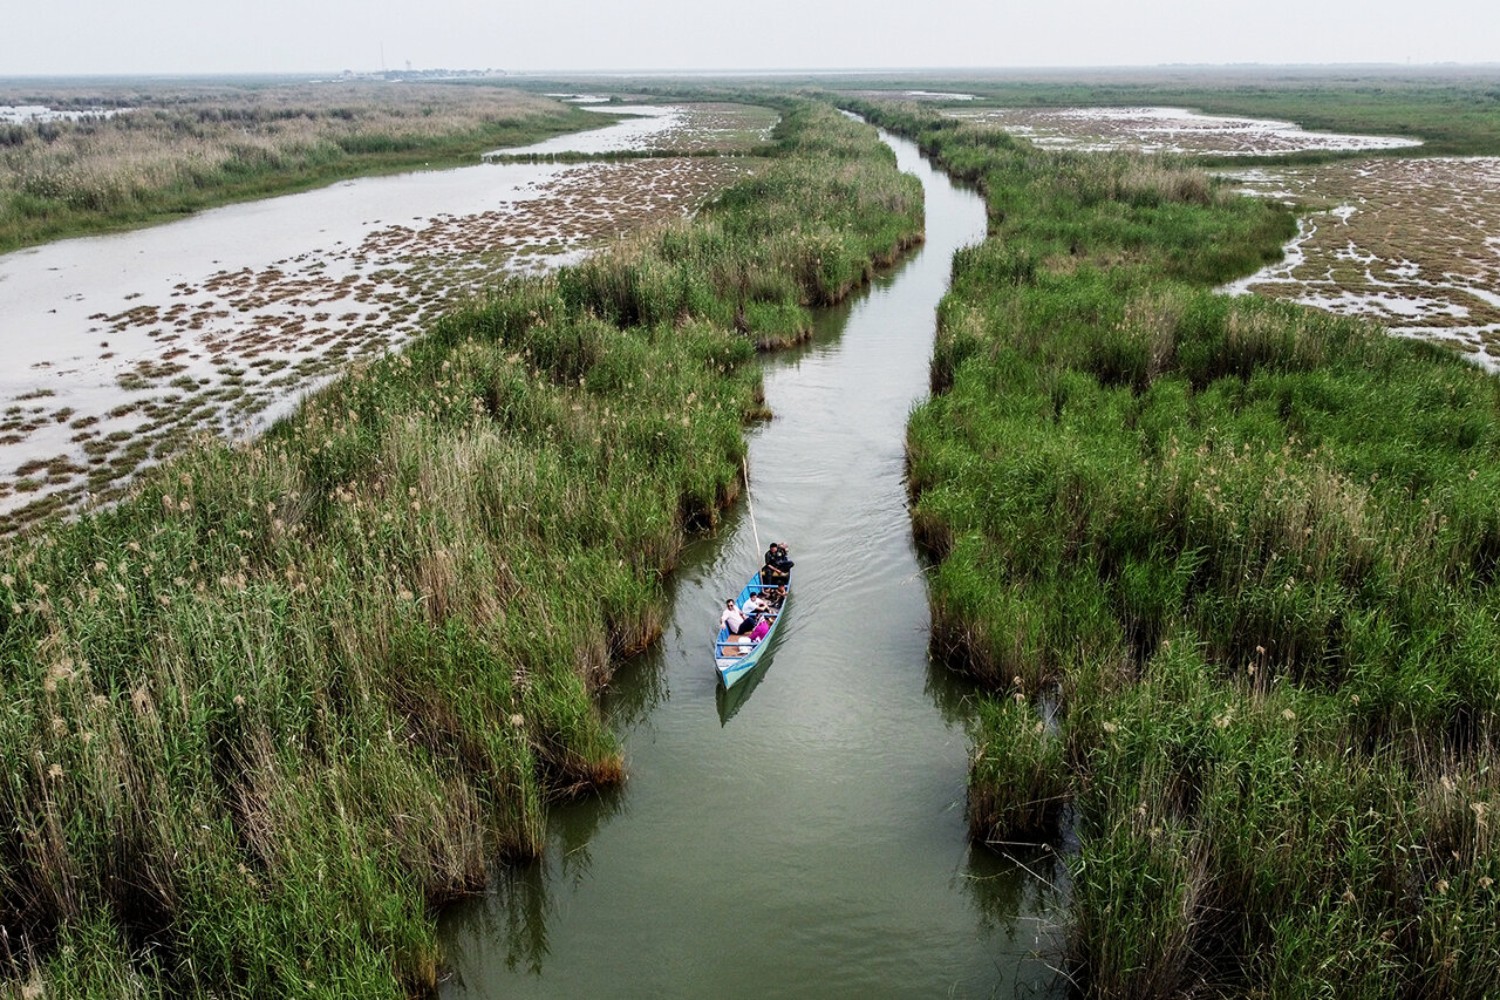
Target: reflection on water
{"x": 1013, "y": 889}
{"x": 628, "y": 705}
{"x": 639, "y": 126}
{"x": 952, "y": 695}
{"x": 803, "y": 834}
{"x": 524, "y": 899}
{"x": 730, "y": 700}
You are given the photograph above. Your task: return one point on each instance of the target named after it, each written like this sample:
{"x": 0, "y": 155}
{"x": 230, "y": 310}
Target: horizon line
{"x": 753, "y": 71}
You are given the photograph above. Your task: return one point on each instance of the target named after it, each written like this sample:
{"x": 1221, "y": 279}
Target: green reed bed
{"x": 803, "y": 234}
{"x": 1246, "y": 553}
{"x": 267, "y": 712}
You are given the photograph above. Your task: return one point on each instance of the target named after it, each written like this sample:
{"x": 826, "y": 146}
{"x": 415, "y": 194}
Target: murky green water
{"x": 804, "y": 835}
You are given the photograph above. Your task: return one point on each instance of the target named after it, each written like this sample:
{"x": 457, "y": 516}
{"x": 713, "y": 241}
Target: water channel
{"x": 803, "y": 835}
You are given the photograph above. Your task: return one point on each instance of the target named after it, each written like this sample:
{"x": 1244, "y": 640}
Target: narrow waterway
{"x": 804, "y": 835}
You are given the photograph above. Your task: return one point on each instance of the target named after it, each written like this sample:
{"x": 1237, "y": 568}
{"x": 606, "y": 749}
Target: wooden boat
{"x": 735, "y": 655}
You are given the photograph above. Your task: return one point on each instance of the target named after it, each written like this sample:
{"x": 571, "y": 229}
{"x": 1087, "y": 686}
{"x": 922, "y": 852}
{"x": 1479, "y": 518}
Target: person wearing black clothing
{"x": 778, "y": 568}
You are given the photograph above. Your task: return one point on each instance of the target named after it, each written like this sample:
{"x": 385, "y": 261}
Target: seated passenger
{"x": 778, "y": 561}
{"x": 733, "y": 620}
{"x": 770, "y": 573}
{"x": 759, "y": 631}
{"x": 777, "y": 568}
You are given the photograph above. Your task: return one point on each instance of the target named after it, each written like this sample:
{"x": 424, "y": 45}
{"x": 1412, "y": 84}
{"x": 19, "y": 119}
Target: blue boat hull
{"x": 736, "y": 656}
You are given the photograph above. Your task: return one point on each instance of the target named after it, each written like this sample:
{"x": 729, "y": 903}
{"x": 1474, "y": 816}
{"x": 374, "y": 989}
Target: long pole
{"x": 745, "y": 466}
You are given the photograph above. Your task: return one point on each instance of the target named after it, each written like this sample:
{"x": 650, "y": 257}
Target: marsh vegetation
{"x": 1451, "y": 109}
{"x": 1246, "y": 553}
{"x": 1388, "y": 233}
{"x": 1226, "y": 567}
{"x": 172, "y": 150}
{"x": 287, "y": 697}
{"x": 219, "y": 324}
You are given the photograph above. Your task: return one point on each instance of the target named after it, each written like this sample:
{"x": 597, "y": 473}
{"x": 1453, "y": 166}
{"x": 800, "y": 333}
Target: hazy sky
{"x": 235, "y": 36}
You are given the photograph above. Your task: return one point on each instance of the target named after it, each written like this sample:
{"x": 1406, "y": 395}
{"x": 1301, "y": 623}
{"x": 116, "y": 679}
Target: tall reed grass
{"x": 1250, "y": 552}
{"x": 266, "y": 713}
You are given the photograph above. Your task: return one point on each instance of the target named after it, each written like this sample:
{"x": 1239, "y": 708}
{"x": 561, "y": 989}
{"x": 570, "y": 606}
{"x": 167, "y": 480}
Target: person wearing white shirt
{"x": 733, "y": 619}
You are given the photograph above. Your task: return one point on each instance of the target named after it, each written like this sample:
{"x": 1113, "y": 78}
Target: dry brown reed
{"x": 186, "y": 141}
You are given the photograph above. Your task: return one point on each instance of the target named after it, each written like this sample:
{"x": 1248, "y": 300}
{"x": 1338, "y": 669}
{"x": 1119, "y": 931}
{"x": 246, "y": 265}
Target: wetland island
{"x": 377, "y": 451}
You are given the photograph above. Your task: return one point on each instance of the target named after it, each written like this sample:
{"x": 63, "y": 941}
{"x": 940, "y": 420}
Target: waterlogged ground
{"x": 120, "y": 348}
{"x": 1411, "y": 243}
{"x": 31, "y": 114}
{"x": 1414, "y": 244}
{"x": 678, "y": 128}
{"x": 1167, "y": 130}
{"x": 916, "y": 95}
